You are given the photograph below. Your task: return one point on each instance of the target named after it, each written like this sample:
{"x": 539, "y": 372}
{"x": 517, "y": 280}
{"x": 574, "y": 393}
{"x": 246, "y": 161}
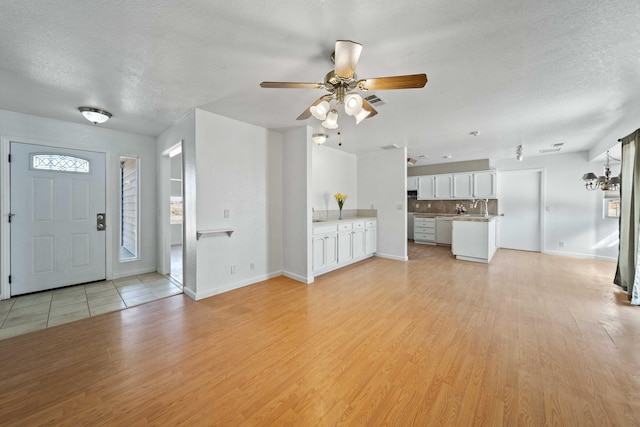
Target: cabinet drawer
{"x": 424, "y": 228}
{"x": 358, "y": 225}
{"x": 371, "y": 224}
{"x": 323, "y": 229}
{"x": 424, "y": 221}
{"x": 424, "y": 237}
{"x": 343, "y": 226}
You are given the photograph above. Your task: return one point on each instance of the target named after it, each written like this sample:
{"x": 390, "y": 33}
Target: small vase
{"x": 340, "y": 217}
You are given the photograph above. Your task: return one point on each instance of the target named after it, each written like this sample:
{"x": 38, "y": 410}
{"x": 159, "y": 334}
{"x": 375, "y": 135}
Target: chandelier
{"x": 605, "y": 182}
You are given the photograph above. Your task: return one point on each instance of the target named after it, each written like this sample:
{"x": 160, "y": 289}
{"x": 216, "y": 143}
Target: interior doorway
{"x": 176, "y": 217}
{"x": 521, "y": 201}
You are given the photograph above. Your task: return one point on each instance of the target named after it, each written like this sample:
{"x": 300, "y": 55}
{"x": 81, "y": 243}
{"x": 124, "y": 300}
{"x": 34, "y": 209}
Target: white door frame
{"x": 165, "y": 210}
{"x": 5, "y": 199}
{"x": 543, "y": 199}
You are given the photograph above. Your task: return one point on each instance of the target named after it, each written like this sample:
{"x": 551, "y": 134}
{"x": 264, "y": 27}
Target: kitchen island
{"x": 474, "y": 237}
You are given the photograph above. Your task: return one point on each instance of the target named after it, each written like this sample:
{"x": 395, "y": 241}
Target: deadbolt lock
{"x": 101, "y": 222}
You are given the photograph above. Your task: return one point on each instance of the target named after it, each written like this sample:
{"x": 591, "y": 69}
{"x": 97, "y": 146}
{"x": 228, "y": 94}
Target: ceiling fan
{"x": 342, "y": 84}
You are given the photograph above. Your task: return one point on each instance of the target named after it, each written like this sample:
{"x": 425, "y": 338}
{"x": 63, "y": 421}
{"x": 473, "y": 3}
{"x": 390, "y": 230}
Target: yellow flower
{"x": 340, "y": 198}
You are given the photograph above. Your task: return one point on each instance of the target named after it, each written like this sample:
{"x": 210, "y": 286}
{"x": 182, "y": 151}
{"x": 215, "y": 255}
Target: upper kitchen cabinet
{"x": 463, "y": 185}
{"x": 426, "y": 189}
{"x": 412, "y": 183}
{"x": 444, "y": 186}
{"x": 485, "y": 184}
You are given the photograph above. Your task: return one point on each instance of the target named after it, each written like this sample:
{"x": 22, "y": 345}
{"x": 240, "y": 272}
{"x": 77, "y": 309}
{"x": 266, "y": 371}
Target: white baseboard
{"x": 120, "y": 275}
{"x": 393, "y": 257}
{"x": 581, "y": 255}
{"x": 232, "y": 286}
{"x": 299, "y": 278}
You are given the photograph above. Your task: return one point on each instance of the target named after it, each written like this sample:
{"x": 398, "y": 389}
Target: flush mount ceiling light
{"x": 319, "y": 138}
{"x": 605, "y": 182}
{"x": 519, "y": 156}
{"x": 95, "y": 115}
{"x": 342, "y": 82}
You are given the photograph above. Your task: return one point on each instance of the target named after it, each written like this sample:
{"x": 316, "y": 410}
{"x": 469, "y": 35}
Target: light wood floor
{"x": 531, "y": 339}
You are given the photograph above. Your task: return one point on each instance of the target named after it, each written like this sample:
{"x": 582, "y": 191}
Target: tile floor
{"x": 41, "y": 310}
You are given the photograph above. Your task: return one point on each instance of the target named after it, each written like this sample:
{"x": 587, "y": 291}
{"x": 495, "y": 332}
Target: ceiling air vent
{"x": 549, "y": 150}
{"x": 375, "y": 100}
{"x": 390, "y": 147}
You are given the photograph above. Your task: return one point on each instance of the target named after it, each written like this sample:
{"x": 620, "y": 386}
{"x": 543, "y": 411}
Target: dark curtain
{"x": 628, "y": 272}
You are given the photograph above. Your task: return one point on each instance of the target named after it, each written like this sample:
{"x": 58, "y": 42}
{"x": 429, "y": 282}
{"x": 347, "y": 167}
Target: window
{"x": 611, "y": 204}
{"x": 59, "y": 163}
{"x": 176, "y": 210}
{"x": 128, "y": 208}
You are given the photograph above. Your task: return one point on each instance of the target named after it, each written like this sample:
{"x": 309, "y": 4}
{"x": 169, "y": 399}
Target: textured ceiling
{"x": 534, "y": 73}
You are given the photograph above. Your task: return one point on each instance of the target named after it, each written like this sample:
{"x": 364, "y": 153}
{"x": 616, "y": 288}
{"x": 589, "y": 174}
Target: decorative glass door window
{"x": 59, "y": 163}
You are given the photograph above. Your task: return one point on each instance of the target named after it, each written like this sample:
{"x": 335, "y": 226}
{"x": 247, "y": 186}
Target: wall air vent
{"x": 549, "y": 150}
{"x": 375, "y": 100}
{"x": 390, "y": 147}
{"x": 558, "y": 145}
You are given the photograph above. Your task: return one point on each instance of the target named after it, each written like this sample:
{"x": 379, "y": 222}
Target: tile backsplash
{"x": 448, "y": 206}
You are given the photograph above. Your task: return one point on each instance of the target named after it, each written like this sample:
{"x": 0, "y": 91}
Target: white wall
{"x": 333, "y": 171}
{"x": 382, "y": 185}
{"x": 573, "y": 215}
{"x": 21, "y": 127}
{"x": 239, "y": 169}
{"x": 296, "y": 186}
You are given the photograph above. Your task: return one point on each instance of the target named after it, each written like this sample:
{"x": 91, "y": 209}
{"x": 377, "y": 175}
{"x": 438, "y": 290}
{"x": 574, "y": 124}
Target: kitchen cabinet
{"x": 357, "y": 240}
{"x": 485, "y": 185}
{"x": 426, "y": 189}
{"x": 342, "y": 242}
{"x": 424, "y": 230}
{"x": 474, "y": 239}
{"x": 325, "y": 248}
{"x": 410, "y": 216}
{"x": 443, "y": 186}
{"x": 463, "y": 185}
{"x": 371, "y": 237}
{"x": 412, "y": 183}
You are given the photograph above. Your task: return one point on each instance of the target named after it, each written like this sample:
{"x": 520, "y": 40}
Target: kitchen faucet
{"x": 486, "y": 205}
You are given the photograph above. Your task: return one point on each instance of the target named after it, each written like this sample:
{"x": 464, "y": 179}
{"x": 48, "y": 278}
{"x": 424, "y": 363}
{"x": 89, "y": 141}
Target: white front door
{"x": 520, "y": 201}
{"x": 56, "y": 196}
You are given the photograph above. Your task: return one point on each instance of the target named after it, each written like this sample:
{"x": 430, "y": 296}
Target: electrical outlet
{"x": 428, "y": 205}
{"x": 561, "y": 244}
{"x": 252, "y": 266}
{"x": 226, "y": 213}
{"x": 233, "y": 269}
{"x": 417, "y": 205}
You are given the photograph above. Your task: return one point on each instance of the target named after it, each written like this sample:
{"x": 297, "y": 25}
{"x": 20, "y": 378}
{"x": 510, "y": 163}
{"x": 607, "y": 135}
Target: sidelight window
{"x": 129, "y": 209}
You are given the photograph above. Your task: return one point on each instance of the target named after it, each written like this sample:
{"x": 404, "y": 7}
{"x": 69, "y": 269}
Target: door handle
{"x": 101, "y": 222}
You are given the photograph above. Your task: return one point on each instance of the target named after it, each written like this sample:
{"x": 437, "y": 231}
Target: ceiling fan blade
{"x": 369, "y": 108}
{"x": 411, "y": 81}
{"x": 346, "y": 58}
{"x": 307, "y": 113}
{"x": 292, "y": 85}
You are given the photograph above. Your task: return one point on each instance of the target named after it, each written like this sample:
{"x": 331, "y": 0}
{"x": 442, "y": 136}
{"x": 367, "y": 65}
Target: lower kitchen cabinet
{"x": 424, "y": 230}
{"x": 340, "y": 243}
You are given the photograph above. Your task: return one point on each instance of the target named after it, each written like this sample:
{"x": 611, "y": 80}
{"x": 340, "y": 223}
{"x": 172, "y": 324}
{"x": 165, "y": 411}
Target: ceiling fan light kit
{"x": 342, "y": 82}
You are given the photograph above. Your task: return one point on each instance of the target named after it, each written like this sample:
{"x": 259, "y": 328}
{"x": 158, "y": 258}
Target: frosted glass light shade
{"x": 319, "y": 138}
{"x": 320, "y": 111}
{"x": 95, "y": 115}
{"x": 363, "y": 114}
{"x": 332, "y": 120}
{"x": 352, "y": 104}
